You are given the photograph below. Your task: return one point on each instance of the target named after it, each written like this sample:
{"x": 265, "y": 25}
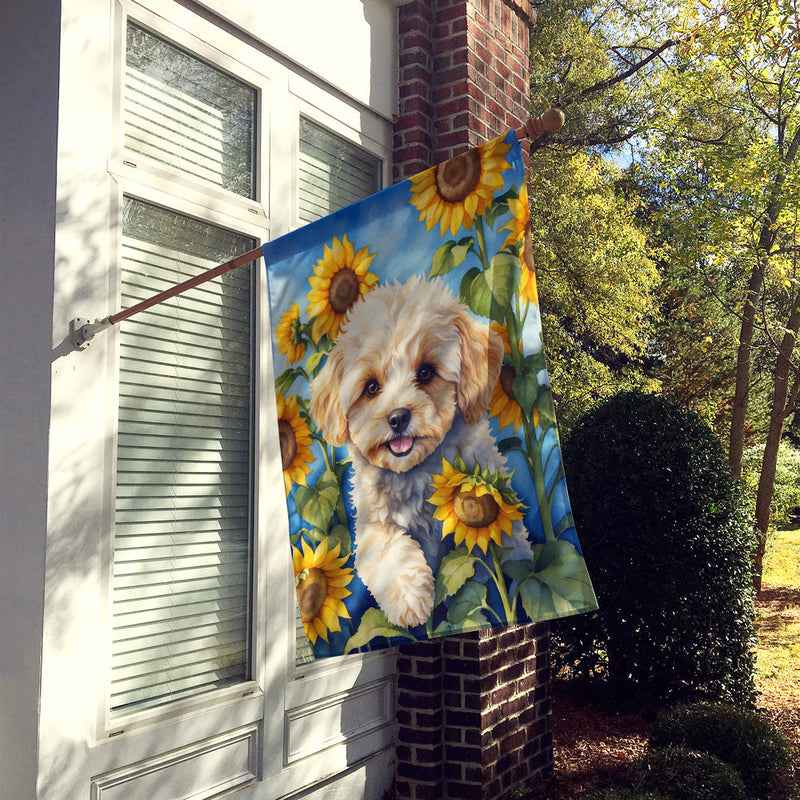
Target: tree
{"x": 726, "y": 147}
{"x": 598, "y": 280}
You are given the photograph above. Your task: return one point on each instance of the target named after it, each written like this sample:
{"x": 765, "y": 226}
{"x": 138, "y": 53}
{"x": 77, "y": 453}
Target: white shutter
{"x": 182, "y": 542}
{"x": 186, "y": 114}
{"x": 333, "y": 172}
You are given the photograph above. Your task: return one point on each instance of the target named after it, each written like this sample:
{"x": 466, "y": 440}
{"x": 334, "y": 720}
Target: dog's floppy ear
{"x": 326, "y": 403}
{"x": 481, "y": 360}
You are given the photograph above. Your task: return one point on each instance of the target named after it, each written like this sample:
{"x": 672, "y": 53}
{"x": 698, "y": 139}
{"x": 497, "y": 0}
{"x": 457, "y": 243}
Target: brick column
{"x": 473, "y": 711}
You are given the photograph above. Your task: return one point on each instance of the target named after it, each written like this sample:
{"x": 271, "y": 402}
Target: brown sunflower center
{"x": 477, "y": 512}
{"x": 507, "y": 375}
{"x": 344, "y": 290}
{"x": 288, "y": 442}
{"x": 458, "y": 176}
{"x": 311, "y": 593}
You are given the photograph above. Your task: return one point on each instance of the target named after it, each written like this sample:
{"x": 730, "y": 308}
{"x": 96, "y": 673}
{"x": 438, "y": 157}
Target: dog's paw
{"x": 409, "y": 599}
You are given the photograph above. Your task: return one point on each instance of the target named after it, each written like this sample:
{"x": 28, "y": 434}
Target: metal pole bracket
{"x": 82, "y": 330}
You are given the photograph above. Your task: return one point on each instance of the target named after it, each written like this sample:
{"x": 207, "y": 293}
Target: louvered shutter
{"x": 333, "y": 172}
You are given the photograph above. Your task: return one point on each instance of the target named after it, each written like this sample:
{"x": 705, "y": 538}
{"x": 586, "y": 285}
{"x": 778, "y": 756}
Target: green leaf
{"x": 526, "y": 390}
{"x": 467, "y": 604}
{"x": 490, "y": 292}
{"x": 561, "y": 568}
{"x": 317, "y": 503}
{"x": 374, "y": 624}
{"x": 567, "y": 521}
{"x": 537, "y": 600}
{"x": 450, "y": 255}
{"x": 466, "y": 284}
{"x": 313, "y": 363}
{"x": 495, "y": 210}
{"x": 518, "y": 570}
{"x": 284, "y": 381}
{"x": 457, "y": 567}
{"x": 511, "y": 443}
{"x": 340, "y": 534}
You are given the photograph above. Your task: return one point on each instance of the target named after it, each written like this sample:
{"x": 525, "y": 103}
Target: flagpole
{"x": 534, "y": 127}
{"x": 82, "y": 331}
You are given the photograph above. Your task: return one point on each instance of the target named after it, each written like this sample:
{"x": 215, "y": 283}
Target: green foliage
{"x": 597, "y": 280}
{"x": 683, "y": 774}
{"x": 667, "y": 542}
{"x": 786, "y": 490}
{"x": 741, "y": 738}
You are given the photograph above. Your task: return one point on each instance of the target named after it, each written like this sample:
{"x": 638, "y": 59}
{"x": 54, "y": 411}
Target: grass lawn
{"x": 779, "y": 617}
{"x": 778, "y": 629}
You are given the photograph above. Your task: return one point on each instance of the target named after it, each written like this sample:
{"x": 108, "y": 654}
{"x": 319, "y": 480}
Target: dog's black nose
{"x": 399, "y": 419}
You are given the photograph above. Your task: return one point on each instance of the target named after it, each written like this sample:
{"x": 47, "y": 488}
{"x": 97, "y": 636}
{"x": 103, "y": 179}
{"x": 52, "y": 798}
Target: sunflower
{"x": 340, "y": 278}
{"x": 521, "y": 216}
{"x": 475, "y": 506}
{"x": 321, "y": 581}
{"x": 287, "y": 334}
{"x": 503, "y": 403}
{"x": 527, "y": 286}
{"x": 295, "y": 441}
{"x": 456, "y": 191}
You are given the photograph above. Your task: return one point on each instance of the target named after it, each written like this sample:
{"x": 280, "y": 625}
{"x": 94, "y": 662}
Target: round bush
{"x": 667, "y": 541}
{"x": 683, "y": 774}
{"x": 741, "y": 738}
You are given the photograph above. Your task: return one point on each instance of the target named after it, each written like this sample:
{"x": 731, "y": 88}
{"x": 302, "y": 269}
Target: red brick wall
{"x": 473, "y": 715}
{"x": 473, "y": 711}
{"x": 463, "y": 77}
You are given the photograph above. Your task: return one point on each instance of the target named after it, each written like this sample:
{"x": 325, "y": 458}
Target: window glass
{"x": 187, "y": 114}
{"x": 183, "y": 533}
{"x": 333, "y": 172}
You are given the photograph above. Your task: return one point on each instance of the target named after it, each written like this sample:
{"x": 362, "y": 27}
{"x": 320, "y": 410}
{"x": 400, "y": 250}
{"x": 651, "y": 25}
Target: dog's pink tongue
{"x": 401, "y": 445}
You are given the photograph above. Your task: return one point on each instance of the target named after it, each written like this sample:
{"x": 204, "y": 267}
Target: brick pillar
{"x": 473, "y": 711}
{"x": 463, "y": 77}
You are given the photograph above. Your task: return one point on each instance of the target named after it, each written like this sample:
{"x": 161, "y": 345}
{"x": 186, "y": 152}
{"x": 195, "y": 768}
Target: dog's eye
{"x": 371, "y": 388}
{"x": 425, "y": 373}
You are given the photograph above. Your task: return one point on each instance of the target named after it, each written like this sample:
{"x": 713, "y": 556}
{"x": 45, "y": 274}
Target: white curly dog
{"x": 407, "y": 385}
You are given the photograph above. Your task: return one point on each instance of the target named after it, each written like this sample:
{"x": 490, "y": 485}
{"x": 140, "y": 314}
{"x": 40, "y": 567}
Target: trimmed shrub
{"x": 667, "y": 541}
{"x": 683, "y": 774}
{"x": 741, "y": 738}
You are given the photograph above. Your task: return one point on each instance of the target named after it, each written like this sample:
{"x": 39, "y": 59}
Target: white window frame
{"x": 137, "y": 177}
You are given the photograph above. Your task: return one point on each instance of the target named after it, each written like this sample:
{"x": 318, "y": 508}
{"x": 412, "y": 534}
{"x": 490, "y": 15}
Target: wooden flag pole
{"x": 82, "y": 331}
{"x": 534, "y": 127}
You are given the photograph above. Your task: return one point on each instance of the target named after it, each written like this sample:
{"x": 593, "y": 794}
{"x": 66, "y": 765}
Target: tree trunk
{"x": 766, "y": 240}
{"x": 742, "y": 388}
{"x": 784, "y": 398}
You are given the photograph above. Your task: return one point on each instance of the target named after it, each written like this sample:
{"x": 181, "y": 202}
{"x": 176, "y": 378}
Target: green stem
{"x": 480, "y": 234}
{"x": 500, "y": 583}
{"x": 533, "y": 446}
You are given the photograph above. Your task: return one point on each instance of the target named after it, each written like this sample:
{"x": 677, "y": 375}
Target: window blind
{"x": 333, "y": 172}
{"x": 187, "y": 114}
{"x": 182, "y": 542}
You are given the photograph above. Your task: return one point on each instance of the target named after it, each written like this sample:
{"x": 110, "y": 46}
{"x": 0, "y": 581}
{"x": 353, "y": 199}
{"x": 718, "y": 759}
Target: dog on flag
{"x": 406, "y": 385}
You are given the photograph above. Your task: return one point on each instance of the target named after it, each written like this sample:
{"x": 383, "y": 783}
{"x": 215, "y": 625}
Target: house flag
{"x": 421, "y": 461}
